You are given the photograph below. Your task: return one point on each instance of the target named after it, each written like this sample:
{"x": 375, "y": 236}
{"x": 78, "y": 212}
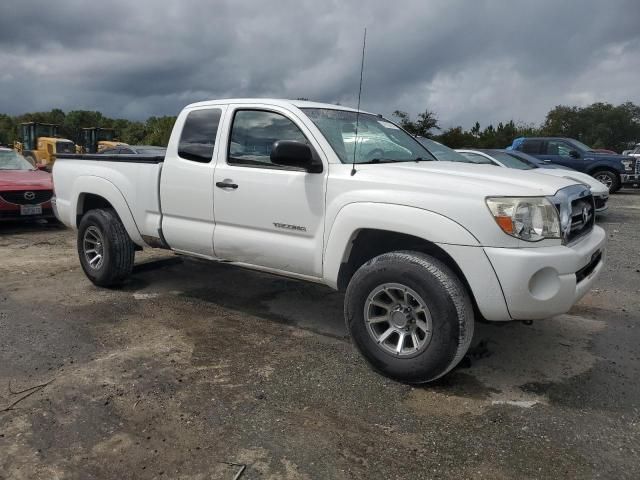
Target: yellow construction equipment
{"x": 96, "y": 139}
{"x": 40, "y": 143}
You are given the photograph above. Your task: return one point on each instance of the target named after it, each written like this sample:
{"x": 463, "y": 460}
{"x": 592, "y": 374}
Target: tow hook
{"x": 528, "y": 323}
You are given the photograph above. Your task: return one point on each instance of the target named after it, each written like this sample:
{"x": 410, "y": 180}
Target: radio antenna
{"x": 355, "y": 143}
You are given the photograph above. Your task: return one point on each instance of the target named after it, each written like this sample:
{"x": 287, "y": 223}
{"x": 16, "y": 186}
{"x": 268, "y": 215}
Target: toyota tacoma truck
{"x": 327, "y": 194}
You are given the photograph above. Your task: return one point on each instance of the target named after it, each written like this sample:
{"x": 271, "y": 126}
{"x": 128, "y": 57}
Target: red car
{"x": 25, "y": 191}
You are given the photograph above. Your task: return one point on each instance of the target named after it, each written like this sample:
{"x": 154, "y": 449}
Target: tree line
{"x": 600, "y": 125}
{"x": 153, "y": 131}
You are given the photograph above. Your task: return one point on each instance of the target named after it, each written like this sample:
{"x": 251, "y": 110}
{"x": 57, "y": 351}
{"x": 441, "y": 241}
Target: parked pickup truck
{"x": 614, "y": 170}
{"x": 421, "y": 248}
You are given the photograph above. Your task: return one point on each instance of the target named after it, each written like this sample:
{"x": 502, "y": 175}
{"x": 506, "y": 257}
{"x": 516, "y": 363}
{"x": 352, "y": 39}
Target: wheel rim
{"x": 605, "y": 179}
{"x": 93, "y": 247}
{"x": 398, "y": 319}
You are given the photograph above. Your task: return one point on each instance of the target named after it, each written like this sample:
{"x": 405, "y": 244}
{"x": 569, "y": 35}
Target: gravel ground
{"x": 194, "y": 366}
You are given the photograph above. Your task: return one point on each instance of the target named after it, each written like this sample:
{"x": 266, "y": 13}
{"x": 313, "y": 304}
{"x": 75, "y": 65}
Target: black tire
{"x": 117, "y": 250}
{"x": 608, "y": 178}
{"x": 446, "y": 299}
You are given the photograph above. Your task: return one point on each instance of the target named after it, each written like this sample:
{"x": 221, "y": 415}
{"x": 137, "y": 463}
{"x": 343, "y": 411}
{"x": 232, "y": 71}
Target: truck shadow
{"x": 306, "y": 305}
{"x": 503, "y": 360}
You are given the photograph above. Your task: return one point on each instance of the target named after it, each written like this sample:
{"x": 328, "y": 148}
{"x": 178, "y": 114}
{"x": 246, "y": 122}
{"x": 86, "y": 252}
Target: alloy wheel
{"x": 93, "y": 247}
{"x": 398, "y": 319}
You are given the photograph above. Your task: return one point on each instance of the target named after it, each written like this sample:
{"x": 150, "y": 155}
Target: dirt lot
{"x": 192, "y": 365}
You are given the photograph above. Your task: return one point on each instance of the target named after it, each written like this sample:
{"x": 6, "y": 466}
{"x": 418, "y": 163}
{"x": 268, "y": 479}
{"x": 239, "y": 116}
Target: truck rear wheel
{"x": 409, "y": 315}
{"x": 106, "y": 252}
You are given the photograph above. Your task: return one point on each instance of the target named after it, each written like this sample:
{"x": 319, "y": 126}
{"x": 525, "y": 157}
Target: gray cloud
{"x": 468, "y": 61}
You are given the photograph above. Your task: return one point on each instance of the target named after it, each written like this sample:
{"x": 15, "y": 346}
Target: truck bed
{"x": 133, "y": 178}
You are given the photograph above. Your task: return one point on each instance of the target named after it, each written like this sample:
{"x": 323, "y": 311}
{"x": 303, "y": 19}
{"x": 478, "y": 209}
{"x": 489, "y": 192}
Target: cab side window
{"x": 253, "y": 134}
{"x": 198, "y": 135}
{"x": 555, "y": 147}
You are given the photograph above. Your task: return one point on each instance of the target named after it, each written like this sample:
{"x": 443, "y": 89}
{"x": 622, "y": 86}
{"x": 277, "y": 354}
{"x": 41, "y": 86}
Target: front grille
{"x": 577, "y": 211}
{"x": 637, "y": 160}
{"x": 582, "y": 217}
{"x": 27, "y": 197}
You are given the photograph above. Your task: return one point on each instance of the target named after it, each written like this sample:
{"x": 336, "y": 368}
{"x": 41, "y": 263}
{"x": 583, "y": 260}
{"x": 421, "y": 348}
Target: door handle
{"x": 232, "y": 186}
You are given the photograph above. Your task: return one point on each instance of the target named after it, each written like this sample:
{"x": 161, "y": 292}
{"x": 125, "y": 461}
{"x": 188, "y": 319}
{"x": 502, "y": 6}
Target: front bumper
{"x": 630, "y": 179}
{"x": 11, "y": 212}
{"x": 543, "y": 282}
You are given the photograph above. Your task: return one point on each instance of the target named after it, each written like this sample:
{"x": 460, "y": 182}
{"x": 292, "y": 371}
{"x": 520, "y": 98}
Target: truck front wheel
{"x": 409, "y": 315}
{"x": 608, "y": 178}
{"x": 106, "y": 252}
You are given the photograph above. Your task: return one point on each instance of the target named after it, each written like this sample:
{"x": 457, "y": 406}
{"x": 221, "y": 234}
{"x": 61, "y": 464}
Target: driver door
{"x": 267, "y": 215}
{"x": 558, "y": 152}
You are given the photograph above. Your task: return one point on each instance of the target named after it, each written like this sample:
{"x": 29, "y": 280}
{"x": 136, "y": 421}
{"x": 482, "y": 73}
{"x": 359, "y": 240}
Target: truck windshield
{"x": 580, "y": 145}
{"x": 65, "y": 147}
{"x": 378, "y": 140}
{"x": 442, "y": 152}
{"x": 11, "y": 160}
{"x": 511, "y": 161}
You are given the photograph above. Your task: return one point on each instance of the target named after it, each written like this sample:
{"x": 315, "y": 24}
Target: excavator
{"x": 96, "y": 139}
{"x": 40, "y": 142}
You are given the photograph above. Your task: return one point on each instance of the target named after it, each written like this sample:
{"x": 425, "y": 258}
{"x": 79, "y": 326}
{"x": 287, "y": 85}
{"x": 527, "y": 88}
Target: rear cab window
{"x": 532, "y": 146}
{"x": 198, "y": 136}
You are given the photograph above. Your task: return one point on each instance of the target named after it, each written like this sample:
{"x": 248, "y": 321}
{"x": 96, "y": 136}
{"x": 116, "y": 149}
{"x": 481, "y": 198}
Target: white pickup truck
{"x": 421, "y": 247}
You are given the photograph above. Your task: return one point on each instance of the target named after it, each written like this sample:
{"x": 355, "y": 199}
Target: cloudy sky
{"x": 467, "y": 60}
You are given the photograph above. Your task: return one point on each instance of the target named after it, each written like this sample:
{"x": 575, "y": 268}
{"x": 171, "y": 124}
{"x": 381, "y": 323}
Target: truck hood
{"x": 25, "y": 179}
{"x": 483, "y": 180}
{"x": 597, "y": 188}
{"x": 455, "y": 190}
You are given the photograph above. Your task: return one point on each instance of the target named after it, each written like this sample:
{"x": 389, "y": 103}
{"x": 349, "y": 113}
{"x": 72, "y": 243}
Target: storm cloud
{"x": 468, "y": 61}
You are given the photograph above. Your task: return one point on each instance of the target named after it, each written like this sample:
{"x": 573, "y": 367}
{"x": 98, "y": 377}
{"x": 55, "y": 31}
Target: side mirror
{"x": 41, "y": 166}
{"x": 289, "y": 153}
{"x": 574, "y": 154}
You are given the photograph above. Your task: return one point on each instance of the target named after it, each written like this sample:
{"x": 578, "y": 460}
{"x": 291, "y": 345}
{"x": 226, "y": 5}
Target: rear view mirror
{"x": 289, "y": 153}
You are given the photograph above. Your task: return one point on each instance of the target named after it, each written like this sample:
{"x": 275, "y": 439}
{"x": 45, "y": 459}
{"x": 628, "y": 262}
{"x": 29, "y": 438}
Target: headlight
{"x": 528, "y": 218}
{"x": 627, "y": 164}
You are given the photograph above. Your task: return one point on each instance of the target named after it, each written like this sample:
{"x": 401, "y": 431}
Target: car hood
{"x": 597, "y": 188}
{"x": 481, "y": 180}
{"x": 25, "y": 179}
{"x": 606, "y": 156}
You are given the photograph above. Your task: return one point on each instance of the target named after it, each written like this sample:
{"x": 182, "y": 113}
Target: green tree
{"x": 600, "y": 125}
{"x": 422, "y": 126}
{"x": 158, "y": 130}
{"x": 7, "y": 130}
{"x": 456, "y": 137}
{"x": 76, "y": 120}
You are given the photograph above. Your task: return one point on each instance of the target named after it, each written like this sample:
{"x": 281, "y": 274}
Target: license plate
{"x": 30, "y": 210}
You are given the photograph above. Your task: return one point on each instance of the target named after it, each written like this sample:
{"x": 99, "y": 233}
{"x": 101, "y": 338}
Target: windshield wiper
{"x": 379, "y": 160}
